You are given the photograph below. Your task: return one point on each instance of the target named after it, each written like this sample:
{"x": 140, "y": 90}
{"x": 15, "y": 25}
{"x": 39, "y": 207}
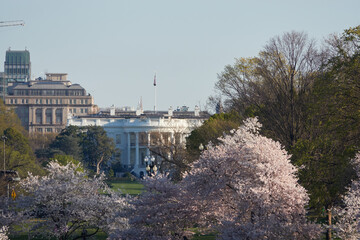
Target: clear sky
{"x": 113, "y": 47}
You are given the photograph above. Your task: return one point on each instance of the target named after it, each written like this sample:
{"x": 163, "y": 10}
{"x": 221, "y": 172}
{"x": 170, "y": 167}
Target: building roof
{"x": 51, "y": 85}
{"x": 17, "y": 57}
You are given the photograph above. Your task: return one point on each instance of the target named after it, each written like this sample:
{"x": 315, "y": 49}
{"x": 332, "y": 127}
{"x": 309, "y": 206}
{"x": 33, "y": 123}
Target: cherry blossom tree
{"x": 3, "y": 233}
{"x": 348, "y": 217}
{"x": 69, "y": 203}
{"x": 247, "y": 188}
{"x": 10, "y": 213}
{"x": 244, "y": 188}
{"x": 161, "y": 212}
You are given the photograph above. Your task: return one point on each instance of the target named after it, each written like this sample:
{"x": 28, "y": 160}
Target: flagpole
{"x": 155, "y": 93}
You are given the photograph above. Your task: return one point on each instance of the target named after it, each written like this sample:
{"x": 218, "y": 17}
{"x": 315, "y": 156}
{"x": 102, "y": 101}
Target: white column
{"x": 128, "y": 149}
{"x": 172, "y": 139}
{"x": 148, "y": 144}
{"x": 137, "y": 150}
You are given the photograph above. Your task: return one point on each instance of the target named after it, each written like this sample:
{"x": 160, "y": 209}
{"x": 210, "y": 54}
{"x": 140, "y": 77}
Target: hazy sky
{"x": 113, "y": 47}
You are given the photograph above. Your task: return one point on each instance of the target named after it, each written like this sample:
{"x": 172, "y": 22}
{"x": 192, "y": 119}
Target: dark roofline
{"x": 148, "y": 114}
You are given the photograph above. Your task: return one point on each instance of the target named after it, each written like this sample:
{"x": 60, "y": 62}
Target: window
{"x": 49, "y": 130}
{"x": 48, "y": 115}
{"x": 74, "y": 110}
{"x": 59, "y": 115}
{"x": 38, "y": 115}
{"x": 81, "y": 110}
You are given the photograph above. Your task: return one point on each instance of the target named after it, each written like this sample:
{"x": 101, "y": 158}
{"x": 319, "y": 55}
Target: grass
{"x": 204, "y": 237}
{"x": 126, "y": 186}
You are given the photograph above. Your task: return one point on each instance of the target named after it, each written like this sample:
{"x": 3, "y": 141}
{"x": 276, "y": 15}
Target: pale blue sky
{"x": 113, "y": 47}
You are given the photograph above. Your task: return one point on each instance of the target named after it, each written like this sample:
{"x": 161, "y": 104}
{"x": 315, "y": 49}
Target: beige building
{"x": 44, "y": 105}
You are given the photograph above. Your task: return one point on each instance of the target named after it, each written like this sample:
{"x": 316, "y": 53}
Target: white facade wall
{"x": 133, "y": 136}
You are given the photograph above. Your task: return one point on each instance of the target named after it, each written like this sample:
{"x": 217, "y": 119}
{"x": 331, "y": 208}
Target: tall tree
{"x": 97, "y": 147}
{"x": 332, "y": 127}
{"x": 16, "y": 155}
{"x": 68, "y": 142}
{"x": 275, "y": 85}
{"x": 216, "y": 126}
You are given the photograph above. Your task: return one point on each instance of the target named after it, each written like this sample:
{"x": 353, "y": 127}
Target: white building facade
{"x": 135, "y": 133}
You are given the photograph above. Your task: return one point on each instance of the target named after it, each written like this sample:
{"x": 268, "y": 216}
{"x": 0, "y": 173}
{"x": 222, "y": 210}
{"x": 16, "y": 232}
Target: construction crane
{"x": 12, "y": 23}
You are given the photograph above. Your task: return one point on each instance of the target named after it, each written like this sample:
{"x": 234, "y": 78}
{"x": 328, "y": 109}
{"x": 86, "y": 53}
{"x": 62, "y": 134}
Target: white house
{"x": 135, "y": 132}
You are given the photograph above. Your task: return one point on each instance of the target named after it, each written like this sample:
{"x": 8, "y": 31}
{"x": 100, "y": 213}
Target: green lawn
{"x": 126, "y": 186}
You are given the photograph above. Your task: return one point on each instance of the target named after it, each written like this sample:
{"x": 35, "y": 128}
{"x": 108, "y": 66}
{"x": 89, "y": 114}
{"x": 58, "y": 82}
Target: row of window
{"x": 79, "y": 110}
{"x": 78, "y": 101}
{"x": 49, "y": 101}
{"x": 17, "y": 71}
{"x": 48, "y": 92}
{"x": 48, "y": 116}
{"x": 47, "y": 130}
{"x": 15, "y": 101}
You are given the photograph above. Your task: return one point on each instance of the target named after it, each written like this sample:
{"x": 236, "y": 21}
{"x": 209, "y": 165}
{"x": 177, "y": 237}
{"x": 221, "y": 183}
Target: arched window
{"x": 38, "y": 115}
{"x": 59, "y": 115}
{"x": 48, "y": 114}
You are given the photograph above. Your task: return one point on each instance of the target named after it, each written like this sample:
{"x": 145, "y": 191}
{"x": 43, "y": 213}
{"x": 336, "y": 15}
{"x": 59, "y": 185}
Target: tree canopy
{"x": 89, "y": 145}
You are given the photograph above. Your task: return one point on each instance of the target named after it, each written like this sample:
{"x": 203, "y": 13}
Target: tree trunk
{"x": 98, "y": 165}
{"x": 328, "y": 235}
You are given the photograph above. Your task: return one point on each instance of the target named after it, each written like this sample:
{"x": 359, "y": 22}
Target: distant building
{"x": 136, "y": 132}
{"x": 17, "y": 68}
{"x": 43, "y": 105}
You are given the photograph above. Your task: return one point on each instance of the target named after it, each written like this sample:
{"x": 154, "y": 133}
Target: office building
{"x": 43, "y": 105}
{"x": 17, "y": 68}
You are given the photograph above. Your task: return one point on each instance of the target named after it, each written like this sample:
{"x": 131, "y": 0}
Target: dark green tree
{"x": 97, "y": 147}
{"x": 68, "y": 141}
{"x": 213, "y": 128}
{"x": 333, "y": 126}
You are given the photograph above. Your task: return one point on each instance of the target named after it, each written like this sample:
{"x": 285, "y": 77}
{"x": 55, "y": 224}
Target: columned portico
{"x": 139, "y": 133}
